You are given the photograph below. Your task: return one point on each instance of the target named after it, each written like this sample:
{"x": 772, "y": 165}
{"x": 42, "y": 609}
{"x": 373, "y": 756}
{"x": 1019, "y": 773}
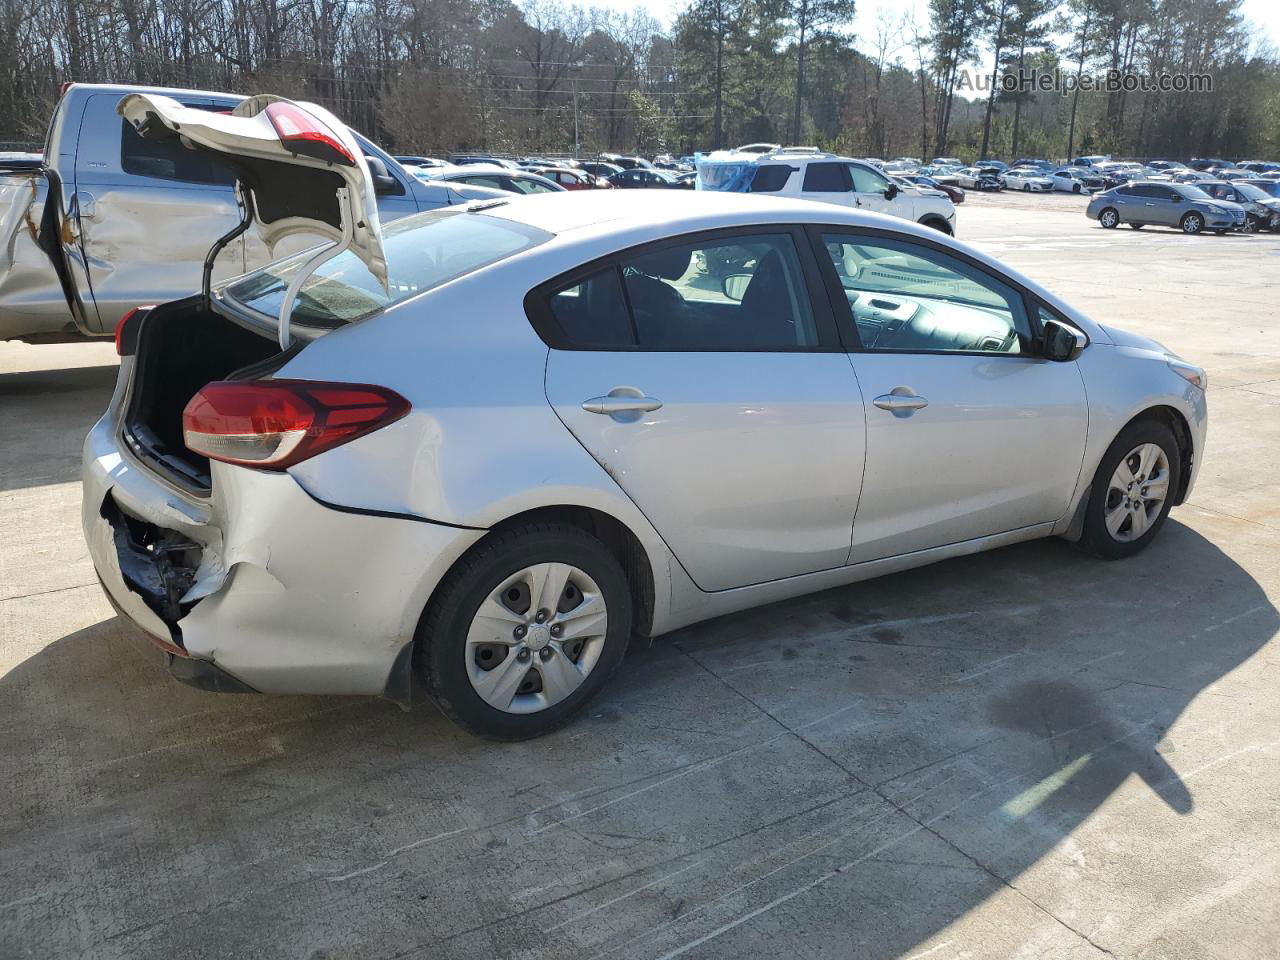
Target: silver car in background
{"x": 1179, "y": 205}
{"x": 489, "y": 445}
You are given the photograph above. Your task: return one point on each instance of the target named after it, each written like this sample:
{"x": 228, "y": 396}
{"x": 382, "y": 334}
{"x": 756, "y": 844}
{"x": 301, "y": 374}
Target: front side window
{"x": 905, "y": 297}
{"x": 866, "y": 180}
{"x": 423, "y": 251}
{"x": 745, "y": 293}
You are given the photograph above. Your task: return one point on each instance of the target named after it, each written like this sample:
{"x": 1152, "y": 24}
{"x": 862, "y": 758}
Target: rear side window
{"x": 167, "y": 159}
{"x": 826, "y": 178}
{"x": 740, "y": 293}
{"x": 423, "y": 251}
{"x": 771, "y": 178}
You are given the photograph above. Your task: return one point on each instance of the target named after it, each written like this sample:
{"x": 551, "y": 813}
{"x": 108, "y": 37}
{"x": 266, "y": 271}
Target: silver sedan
{"x": 488, "y": 447}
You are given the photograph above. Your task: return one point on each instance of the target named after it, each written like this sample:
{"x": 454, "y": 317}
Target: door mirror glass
{"x": 1062, "y": 342}
{"x": 1175, "y": 198}
{"x": 735, "y": 286}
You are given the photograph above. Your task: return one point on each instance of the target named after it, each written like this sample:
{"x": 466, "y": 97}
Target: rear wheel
{"x": 1137, "y": 226}
{"x": 1109, "y": 218}
{"x": 1132, "y": 490}
{"x": 524, "y": 631}
{"x": 1192, "y": 223}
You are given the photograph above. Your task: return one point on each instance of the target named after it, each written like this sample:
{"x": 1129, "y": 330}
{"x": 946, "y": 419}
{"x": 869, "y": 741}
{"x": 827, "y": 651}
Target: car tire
{"x": 1109, "y": 218}
{"x": 1112, "y": 529}
{"x": 1026, "y": 188}
{"x": 1192, "y": 223}
{"x": 1075, "y": 188}
{"x": 1137, "y": 226}
{"x": 447, "y": 654}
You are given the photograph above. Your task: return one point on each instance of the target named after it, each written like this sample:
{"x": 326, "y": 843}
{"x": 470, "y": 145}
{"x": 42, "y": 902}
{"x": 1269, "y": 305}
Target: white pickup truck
{"x": 111, "y": 220}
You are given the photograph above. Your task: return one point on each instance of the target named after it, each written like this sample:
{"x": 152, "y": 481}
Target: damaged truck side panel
{"x": 111, "y": 220}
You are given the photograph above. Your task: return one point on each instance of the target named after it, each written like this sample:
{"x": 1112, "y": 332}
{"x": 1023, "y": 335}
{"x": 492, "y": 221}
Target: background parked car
{"x": 427, "y": 162}
{"x": 1261, "y": 209}
{"x": 980, "y": 178}
{"x": 598, "y": 168}
{"x": 952, "y": 191}
{"x": 499, "y": 178}
{"x": 1027, "y": 179}
{"x": 1076, "y": 180}
{"x": 1182, "y": 206}
{"x": 643, "y": 179}
{"x": 570, "y": 178}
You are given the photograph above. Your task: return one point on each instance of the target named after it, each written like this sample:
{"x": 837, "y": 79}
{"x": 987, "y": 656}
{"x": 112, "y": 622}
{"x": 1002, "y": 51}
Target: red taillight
{"x": 273, "y": 424}
{"x": 120, "y": 347}
{"x": 305, "y": 134}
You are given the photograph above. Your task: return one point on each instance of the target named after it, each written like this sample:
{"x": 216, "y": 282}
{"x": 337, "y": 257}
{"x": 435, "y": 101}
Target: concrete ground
{"x": 1022, "y": 754}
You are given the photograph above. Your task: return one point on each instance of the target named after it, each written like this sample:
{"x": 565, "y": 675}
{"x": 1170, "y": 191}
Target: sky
{"x": 1265, "y": 14}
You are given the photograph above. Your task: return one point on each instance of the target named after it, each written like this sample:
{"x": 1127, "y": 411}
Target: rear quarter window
{"x": 423, "y": 251}
{"x": 167, "y": 159}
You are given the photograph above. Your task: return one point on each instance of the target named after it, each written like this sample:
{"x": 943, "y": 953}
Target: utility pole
{"x": 574, "y": 70}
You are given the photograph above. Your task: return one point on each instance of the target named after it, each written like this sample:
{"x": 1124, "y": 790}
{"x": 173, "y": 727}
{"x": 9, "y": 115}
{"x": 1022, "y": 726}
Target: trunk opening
{"x": 181, "y": 347}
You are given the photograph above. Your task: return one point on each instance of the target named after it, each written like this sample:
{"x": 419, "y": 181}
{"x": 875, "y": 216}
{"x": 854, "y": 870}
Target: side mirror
{"x": 1062, "y": 343}
{"x": 735, "y": 286}
{"x": 891, "y": 191}
{"x": 1176, "y": 198}
{"x": 383, "y": 182}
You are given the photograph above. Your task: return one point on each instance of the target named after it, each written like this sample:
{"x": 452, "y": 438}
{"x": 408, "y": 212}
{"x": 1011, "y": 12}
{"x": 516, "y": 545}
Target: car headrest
{"x": 670, "y": 264}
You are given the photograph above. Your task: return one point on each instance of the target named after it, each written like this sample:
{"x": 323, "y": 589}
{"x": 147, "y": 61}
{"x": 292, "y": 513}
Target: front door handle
{"x": 901, "y": 401}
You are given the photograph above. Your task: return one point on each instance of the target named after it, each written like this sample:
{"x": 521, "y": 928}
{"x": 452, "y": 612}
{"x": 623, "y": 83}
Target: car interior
{"x": 900, "y": 301}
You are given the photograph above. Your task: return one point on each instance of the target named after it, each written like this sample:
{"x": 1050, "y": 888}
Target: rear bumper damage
{"x": 262, "y": 587}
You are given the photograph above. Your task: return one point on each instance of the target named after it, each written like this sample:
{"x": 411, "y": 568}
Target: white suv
{"x": 810, "y": 174}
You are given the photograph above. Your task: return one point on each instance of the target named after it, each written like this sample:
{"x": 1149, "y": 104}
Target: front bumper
{"x": 279, "y": 593}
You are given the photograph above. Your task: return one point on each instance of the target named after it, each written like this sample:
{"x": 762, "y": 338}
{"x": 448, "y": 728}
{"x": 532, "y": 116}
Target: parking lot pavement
{"x": 1023, "y": 753}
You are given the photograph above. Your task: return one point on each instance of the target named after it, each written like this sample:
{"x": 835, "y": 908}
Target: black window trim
{"x": 537, "y": 305}
{"x": 848, "y": 329}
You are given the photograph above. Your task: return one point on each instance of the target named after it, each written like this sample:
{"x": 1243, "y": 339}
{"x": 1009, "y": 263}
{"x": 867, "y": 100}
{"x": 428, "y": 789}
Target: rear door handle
{"x": 901, "y": 401}
{"x": 611, "y": 405}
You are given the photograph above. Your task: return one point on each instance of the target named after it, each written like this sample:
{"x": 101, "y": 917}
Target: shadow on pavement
{"x": 844, "y": 775}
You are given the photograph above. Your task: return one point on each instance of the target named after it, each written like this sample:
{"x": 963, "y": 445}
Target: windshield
{"x": 1252, "y": 192}
{"x": 423, "y": 251}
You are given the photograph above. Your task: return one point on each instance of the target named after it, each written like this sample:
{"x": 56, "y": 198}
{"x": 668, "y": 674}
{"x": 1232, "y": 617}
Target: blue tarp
{"x": 728, "y": 177}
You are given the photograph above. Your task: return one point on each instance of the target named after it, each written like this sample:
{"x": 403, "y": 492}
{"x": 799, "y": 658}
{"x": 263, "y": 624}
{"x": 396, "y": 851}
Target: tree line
{"x": 544, "y": 76}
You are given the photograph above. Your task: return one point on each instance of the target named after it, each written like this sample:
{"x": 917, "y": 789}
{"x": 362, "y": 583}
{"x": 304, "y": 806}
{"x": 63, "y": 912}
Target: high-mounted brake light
{"x": 273, "y": 424}
{"x": 304, "y": 134}
{"x": 123, "y": 347}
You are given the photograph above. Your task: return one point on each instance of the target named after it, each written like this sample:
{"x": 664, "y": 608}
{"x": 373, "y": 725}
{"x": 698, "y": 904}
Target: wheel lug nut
{"x": 520, "y": 631}
{"x": 557, "y": 629}
{"x": 541, "y": 616}
{"x": 523, "y": 655}
{"x": 545, "y": 653}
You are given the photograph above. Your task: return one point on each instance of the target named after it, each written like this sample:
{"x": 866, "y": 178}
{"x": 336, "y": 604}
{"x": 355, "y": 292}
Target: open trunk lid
{"x": 300, "y": 168}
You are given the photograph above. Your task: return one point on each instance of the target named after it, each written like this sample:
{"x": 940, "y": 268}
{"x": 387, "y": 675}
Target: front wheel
{"x": 1192, "y": 223}
{"x": 1132, "y": 490}
{"x": 1109, "y": 218}
{"x": 524, "y": 631}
